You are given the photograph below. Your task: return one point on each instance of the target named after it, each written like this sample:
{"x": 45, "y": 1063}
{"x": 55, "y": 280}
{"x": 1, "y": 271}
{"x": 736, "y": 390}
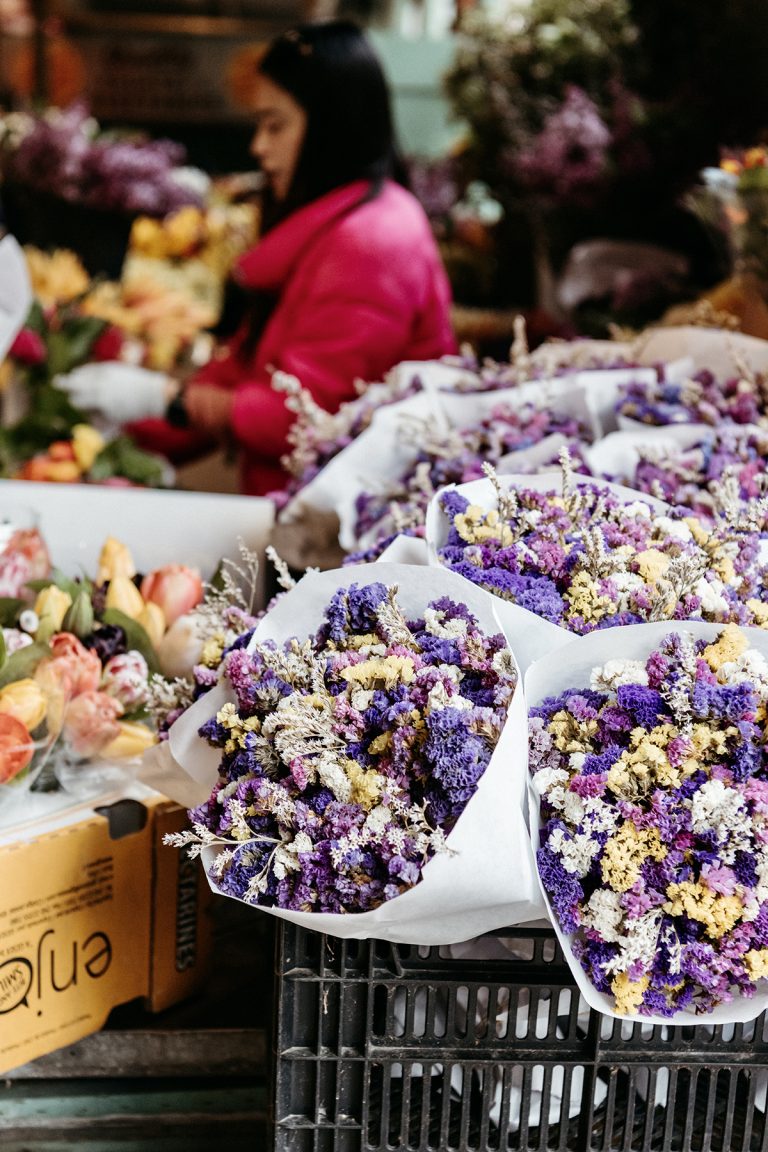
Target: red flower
{"x": 108, "y": 345}
{"x": 28, "y": 347}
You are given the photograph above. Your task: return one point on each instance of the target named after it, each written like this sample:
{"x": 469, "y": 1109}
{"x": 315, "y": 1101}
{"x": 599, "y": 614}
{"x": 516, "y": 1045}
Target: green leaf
{"x": 121, "y": 457}
{"x": 22, "y": 663}
{"x": 10, "y": 608}
{"x": 135, "y": 635}
{"x": 69, "y": 346}
{"x": 3, "y": 650}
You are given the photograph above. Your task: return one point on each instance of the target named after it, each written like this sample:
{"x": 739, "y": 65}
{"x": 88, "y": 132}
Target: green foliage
{"x": 121, "y": 457}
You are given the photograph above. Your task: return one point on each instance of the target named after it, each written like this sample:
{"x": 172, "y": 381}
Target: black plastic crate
{"x": 382, "y": 1047}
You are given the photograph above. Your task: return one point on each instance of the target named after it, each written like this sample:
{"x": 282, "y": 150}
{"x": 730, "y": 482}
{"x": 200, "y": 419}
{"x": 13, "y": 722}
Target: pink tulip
{"x": 90, "y": 722}
{"x": 174, "y": 588}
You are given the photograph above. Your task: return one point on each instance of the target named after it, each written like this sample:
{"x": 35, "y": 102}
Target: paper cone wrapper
{"x": 487, "y": 880}
{"x": 571, "y": 667}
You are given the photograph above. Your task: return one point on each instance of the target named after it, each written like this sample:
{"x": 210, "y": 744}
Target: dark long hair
{"x": 332, "y": 71}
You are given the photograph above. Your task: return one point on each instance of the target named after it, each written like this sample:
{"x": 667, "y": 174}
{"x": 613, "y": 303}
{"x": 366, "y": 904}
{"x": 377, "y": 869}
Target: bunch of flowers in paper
{"x": 347, "y": 757}
{"x": 584, "y": 557}
{"x": 455, "y": 458}
{"x": 700, "y": 399}
{"x": 727, "y": 462}
{"x": 653, "y": 786}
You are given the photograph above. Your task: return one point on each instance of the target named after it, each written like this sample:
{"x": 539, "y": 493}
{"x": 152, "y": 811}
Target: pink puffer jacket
{"x": 361, "y": 288}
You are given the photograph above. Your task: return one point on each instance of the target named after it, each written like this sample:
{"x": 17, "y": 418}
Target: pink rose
{"x": 174, "y": 588}
{"x": 126, "y": 678}
{"x": 75, "y": 667}
{"x": 28, "y": 347}
{"x": 90, "y": 722}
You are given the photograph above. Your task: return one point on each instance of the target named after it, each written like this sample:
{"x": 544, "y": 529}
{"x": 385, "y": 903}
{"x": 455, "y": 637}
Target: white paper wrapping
{"x": 488, "y": 881}
{"x": 713, "y": 348}
{"x": 15, "y": 292}
{"x": 618, "y": 454}
{"x": 571, "y": 667}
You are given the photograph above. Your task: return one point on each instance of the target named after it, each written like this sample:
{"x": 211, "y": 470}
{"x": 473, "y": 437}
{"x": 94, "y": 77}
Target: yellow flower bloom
{"x": 698, "y": 531}
{"x": 213, "y": 650}
{"x": 123, "y": 594}
{"x": 756, "y": 961}
{"x": 730, "y": 644}
{"x": 133, "y": 740}
{"x": 585, "y": 599}
{"x": 51, "y": 607}
{"x": 717, "y": 913}
{"x": 644, "y": 765}
{"x": 367, "y": 786}
{"x": 652, "y": 565}
{"x": 24, "y": 700}
{"x": 570, "y": 734}
{"x": 380, "y": 744}
{"x": 625, "y": 853}
{"x": 380, "y": 672}
{"x": 87, "y": 443}
{"x": 628, "y": 994}
{"x": 475, "y": 525}
{"x": 56, "y": 277}
{"x": 114, "y": 560}
{"x": 759, "y": 611}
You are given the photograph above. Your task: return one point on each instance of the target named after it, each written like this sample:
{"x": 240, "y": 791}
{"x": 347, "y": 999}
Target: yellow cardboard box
{"x": 95, "y": 911}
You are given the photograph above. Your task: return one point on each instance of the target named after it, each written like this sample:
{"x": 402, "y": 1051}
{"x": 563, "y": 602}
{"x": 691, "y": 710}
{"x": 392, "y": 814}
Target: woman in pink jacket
{"x": 346, "y": 281}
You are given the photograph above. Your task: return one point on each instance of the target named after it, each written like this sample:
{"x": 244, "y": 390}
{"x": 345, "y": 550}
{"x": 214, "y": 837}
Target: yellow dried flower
{"x": 570, "y": 734}
{"x": 627, "y": 993}
{"x": 367, "y": 786}
{"x": 730, "y": 644}
{"x": 759, "y": 612}
{"x": 652, "y": 565}
{"x": 756, "y": 962}
{"x": 718, "y": 913}
{"x": 625, "y": 853}
{"x": 475, "y": 525}
{"x": 585, "y": 599}
{"x": 380, "y": 672}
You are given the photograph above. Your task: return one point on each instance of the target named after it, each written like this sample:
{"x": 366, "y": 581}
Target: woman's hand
{"x": 209, "y": 407}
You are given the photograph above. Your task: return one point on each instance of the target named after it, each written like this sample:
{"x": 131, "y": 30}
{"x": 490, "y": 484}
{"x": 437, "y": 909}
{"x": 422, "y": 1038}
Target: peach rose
{"x": 90, "y": 722}
{"x": 175, "y": 588}
{"x": 16, "y": 747}
{"x": 76, "y": 667}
